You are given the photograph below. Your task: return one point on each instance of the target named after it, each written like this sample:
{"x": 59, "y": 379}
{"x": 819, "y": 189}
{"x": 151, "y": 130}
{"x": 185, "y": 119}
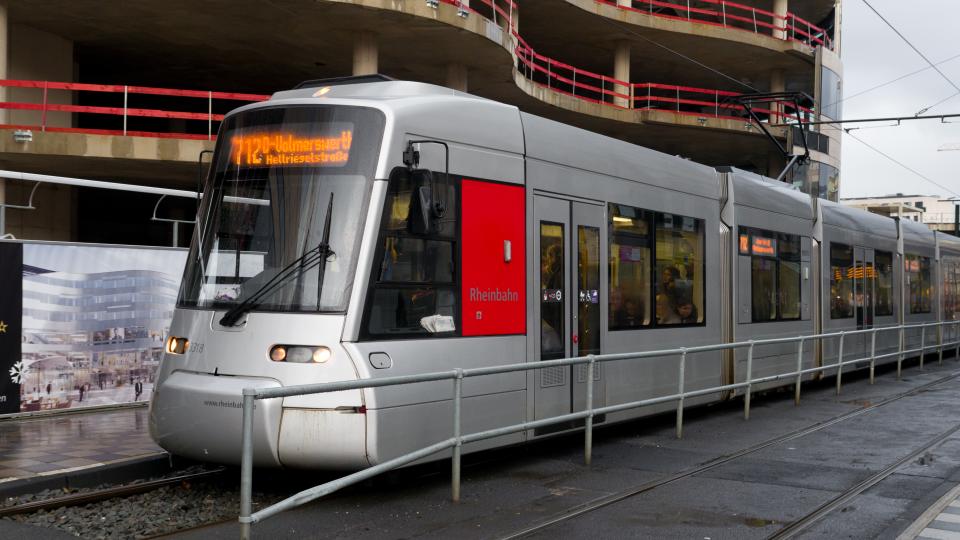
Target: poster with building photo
{"x": 93, "y": 323}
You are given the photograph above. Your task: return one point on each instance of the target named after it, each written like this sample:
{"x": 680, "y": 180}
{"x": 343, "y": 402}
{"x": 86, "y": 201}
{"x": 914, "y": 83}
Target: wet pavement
{"x": 39, "y": 446}
{"x": 753, "y": 496}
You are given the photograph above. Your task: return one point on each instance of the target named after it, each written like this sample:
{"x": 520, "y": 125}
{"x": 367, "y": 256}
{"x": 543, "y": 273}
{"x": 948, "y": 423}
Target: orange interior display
{"x": 279, "y": 149}
{"x": 764, "y": 246}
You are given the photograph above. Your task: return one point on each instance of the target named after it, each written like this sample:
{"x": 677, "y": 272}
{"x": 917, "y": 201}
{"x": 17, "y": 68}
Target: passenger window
{"x": 917, "y": 271}
{"x": 884, "y": 269}
{"x": 951, "y": 287}
{"x": 415, "y": 291}
{"x": 679, "y": 269}
{"x": 841, "y": 281}
{"x": 629, "y": 269}
{"x": 774, "y": 274}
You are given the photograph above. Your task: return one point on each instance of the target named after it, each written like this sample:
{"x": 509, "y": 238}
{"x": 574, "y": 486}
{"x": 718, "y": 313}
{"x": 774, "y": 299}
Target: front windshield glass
{"x": 275, "y": 173}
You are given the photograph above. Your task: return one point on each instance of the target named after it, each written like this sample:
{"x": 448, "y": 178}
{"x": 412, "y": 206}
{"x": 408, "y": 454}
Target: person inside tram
{"x": 686, "y": 312}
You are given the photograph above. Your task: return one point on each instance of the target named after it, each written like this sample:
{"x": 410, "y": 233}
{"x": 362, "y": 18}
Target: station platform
{"x": 50, "y": 445}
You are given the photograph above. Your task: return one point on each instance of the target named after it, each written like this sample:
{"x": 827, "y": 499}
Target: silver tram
{"x": 367, "y": 228}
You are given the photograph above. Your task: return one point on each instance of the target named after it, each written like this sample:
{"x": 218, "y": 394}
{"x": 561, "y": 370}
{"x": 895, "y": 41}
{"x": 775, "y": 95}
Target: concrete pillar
{"x": 365, "y": 54}
{"x": 780, "y": 8}
{"x": 621, "y": 71}
{"x": 778, "y": 83}
{"x": 457, "y": 76}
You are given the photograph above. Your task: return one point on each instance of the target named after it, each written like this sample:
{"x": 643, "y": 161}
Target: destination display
{"x": 279, "y": 148}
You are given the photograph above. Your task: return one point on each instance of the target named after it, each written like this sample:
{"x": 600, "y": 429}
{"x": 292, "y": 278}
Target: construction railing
{"x": 457, "y": 438}
{"x": 203, "y": 104}
{"x": 731, "y": 15}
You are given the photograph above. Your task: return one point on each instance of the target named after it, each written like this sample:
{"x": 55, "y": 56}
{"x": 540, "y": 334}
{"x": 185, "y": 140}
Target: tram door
{"x": 864, "y": 273}
{"x": 567, "y": 244}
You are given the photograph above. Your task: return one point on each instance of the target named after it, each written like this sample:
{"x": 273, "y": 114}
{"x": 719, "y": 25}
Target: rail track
{"x": 795, "y": 526}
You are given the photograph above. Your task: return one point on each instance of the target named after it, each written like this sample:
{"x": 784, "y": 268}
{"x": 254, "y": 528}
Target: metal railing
{"x": 209, "y": 102}
{"x": 458, "y": 439}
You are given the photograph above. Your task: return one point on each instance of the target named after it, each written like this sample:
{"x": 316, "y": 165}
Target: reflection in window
{"x": 951, "y": 288}
{"x": 415, "y": 291}
{"x": 841, "y": 281}
{"x": 917, "y": 273}
{"x": 679, "y": 269}
{"x": 551, "y": 291}
{"x": 774, "y": 274}
{"x": 884, "y": 267}
{"x": 629, "y": 270}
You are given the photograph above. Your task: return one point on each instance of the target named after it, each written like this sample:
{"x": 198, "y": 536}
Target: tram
{"x": 366, "y": 228}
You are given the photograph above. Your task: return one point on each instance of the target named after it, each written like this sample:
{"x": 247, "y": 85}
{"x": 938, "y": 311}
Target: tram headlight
{"x": 177, "y": 345}
{"x": 300, "y": 354}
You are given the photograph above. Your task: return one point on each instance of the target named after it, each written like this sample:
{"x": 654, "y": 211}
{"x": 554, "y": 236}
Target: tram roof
{"x": 845, "y": 217}
{"x": 760, "y": 192}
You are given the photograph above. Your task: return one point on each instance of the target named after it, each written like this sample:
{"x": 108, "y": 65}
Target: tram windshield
{"x": 276, "y": 173}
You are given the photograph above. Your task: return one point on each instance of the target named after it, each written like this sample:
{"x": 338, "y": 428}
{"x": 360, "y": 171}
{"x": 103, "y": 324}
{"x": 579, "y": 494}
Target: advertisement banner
{"x": 11, "y": 267}
{"x": 93, "y": 322}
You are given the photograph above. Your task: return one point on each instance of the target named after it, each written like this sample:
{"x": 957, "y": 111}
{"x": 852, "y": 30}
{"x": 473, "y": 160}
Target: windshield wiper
{"x": 302, "y": 264}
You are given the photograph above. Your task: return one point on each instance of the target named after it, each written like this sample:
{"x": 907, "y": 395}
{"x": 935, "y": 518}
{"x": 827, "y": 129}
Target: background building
{"x": 932, "y": 210}
{"x": 134, "y": 92}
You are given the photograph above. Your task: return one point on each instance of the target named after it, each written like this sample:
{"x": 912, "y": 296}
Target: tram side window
{"x": 774, "y": 274}
{"x": 629, "y": 269}
{"x": 841, "y": 281}
{"x": 884, "y": 266}
{"x": 951, "y": 288}
{"x": 415, "y": 289}
{"x": 679, "y": 269}
{"x": 917, "y": 270}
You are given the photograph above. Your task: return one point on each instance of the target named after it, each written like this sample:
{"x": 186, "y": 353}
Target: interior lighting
{"x": 621, "y": 219}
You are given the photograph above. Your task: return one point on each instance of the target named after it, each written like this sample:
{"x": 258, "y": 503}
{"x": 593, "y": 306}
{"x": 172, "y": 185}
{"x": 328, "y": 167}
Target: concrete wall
{"x": 39, "y": 56}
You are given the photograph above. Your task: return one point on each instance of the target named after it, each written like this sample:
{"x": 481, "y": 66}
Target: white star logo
{"x": 3, "y": 327}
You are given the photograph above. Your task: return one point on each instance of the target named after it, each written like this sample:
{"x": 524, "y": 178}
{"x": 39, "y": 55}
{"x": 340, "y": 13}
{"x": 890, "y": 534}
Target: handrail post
{"x": 900, "y": 356}
{"x": 796, "y": 388}
{"x": 457, "y": 399}
{"x": 43, "y": 120}
{"x": 588, "y": 422}
{"x": 940, "y": 343}
{"x": 746, "y": 397}
{"x": 246, "y": 464}
{"x": 840, "y": 361}
{"x": 210, "y": 112}
{"x": 873, "y": 354}
{"x": 125, "y": 110}
{"x": 680, "y": 390}
{"x": 923, "y": 339}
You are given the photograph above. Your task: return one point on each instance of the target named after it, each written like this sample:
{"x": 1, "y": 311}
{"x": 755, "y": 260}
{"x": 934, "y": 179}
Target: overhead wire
{"x": 888, "y": 83}
{"x": 916, "y": 50}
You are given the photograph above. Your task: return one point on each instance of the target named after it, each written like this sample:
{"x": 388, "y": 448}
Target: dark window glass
{"x": 951, "y": 288}
{"x": 841, "y": 281}
{"x": 551, "y": 291}
{"x": 629, "y": 270}
{"x": 919, "y": 287}
{"x": 588, "y": 294}
{"x": 831, "y": 94}
{"x": 774, "y": 274}
{"x": 415, "y": 292}
{"x": 884, "y": 276}
{"x": 679, "y": 269}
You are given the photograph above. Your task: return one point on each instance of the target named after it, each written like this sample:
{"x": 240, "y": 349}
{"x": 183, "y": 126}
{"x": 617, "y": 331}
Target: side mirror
{"x": 424, "y": 210}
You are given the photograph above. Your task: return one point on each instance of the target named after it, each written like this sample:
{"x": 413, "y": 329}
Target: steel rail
{"x": 826, "y": 508}
{"x": 608, "y": 500}
{"x": 105, "y": 494}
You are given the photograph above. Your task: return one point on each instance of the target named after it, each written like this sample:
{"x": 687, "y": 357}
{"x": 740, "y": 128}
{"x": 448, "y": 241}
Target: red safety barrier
{"x": 123, "y": 111}
{"x": 731, "y": 15}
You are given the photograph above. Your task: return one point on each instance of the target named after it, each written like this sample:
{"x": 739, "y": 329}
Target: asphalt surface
{"x": 753, "y": 496}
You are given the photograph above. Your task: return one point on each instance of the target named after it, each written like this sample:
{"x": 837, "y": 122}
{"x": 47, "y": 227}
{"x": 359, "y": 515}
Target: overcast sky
{"x": 873, "y": 54}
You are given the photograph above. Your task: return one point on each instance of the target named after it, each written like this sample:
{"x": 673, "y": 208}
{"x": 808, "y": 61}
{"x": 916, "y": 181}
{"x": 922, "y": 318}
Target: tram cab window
{"x": 951, "y": 288}
{"x": 656, "y": 269}
{"x": 415, "y": 290}
{"x": 884, "y": 266}
{"x": 841, "y": 281}
{"x": 679, "y": 270}
{"x": 919, "y": 289}
{"x": 774, "y": 274}
{"x": 629, "y": 269}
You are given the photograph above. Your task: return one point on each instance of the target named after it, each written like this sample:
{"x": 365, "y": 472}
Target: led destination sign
{"x": 277, "y": 149}
{"x": 758, "y": 246}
